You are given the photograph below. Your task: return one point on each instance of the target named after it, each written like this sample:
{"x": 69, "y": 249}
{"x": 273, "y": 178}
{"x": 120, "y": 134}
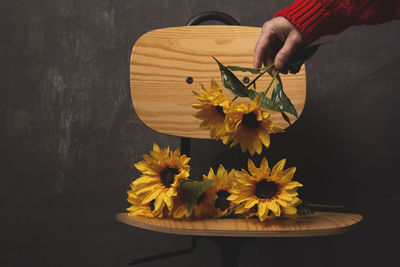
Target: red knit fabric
{"x": 315, "y": 18}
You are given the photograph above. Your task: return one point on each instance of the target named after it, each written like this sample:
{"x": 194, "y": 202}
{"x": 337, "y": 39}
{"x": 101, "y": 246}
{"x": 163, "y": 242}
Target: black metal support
{"x": 196, "y": 20}
{"x": 230, "y": 246}
{"x": 166, "y": 255}
{"x": 185, "y": 146}
{"x": 230, "y": 249}
{"x": 212, "y": 15}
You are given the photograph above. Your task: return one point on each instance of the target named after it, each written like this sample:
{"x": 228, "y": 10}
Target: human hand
{"x": 278, "y": 41}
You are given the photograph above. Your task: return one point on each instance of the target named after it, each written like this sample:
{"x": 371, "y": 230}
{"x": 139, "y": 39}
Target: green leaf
{"x": 300, "y": 57}
{"x": 238, "y": 68}
{"x": 192, "y": 190}
{"x": 282, "y": 100}
{"x": 286, "y": 118}
{"x": 304, "y": 209}
{"x": 265, "y": 101}
{"x": 325, "y": 206}
{"x": 231, "y": 82}
{"x": 229, "y": 214}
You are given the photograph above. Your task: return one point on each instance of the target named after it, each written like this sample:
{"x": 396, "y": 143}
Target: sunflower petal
{"x": 168, "y": 201}
{"x": 146, "y": 188}
{"x": 286, "y": 175}
{"x": 250, "y": 203}
{"x": 278, "y": 167}
{"x": 158, "y": 202}
{"x": 281, "y": 202}
{"x": 296, "y": 201}
{"x": 291, "y": 185}
{"x": 156, "y": 147}
{"x": 251, "y": 167}
{"x": 264, "y": 137}
{"x": 151, "y": 196}
{"x": 290, "y": 210}
{"x": 274, "y": 207}
{"x": 262, "y": 210}
{"x": 258, "y": 146}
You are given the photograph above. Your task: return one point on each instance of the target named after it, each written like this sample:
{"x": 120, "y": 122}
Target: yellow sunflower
{"x": 214, "y": 201}
{"x": 273, "y": 193}
{"x": 138, "y": 208}
{"x": 179, "y": 210}
{"x": 212, "y": 108}
{"x": 161, "y": 172}
{"x": 249, "y": 125}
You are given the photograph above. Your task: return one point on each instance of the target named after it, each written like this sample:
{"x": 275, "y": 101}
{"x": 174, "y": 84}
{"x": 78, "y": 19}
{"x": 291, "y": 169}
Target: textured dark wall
{"x": 69, "y": 137}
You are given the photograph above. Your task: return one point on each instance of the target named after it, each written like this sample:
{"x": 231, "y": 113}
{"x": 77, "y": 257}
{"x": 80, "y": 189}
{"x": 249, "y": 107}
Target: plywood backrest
{"x": 163, "y": 59}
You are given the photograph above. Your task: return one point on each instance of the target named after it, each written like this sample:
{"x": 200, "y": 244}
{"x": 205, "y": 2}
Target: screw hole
{"x": 189, "y": 80}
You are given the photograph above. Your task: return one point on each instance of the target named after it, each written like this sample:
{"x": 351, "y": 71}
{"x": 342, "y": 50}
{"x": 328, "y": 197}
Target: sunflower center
{"x": 151, "y": 204}
{"x": 222, "y": 203}
{"x": 250, "y": 120}
{"x": 265, "y": 189}
{"x": 168, "y": 176}
{"x": 220, "y": 110}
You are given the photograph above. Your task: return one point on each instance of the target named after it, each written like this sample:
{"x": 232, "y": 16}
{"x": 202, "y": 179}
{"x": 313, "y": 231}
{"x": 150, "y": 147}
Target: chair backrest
{"x": 164, "y": 61}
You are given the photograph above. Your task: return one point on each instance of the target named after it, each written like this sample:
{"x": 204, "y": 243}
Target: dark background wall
{"x": 69, "y": 137}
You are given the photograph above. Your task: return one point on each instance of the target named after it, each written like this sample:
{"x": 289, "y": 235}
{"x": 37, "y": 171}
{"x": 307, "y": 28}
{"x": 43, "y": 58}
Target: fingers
{"x": 278, "y": 40}
{"x": 292, "y": 43}
{"x": 268, "y": 60}
{"x": 261, "y": 46}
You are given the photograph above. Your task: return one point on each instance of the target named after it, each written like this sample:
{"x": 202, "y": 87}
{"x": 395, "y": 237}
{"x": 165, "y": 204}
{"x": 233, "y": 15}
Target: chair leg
{"x": 230, "y": 256}
{"x": 166, "y": 255}
{"x": 230, "y": 249}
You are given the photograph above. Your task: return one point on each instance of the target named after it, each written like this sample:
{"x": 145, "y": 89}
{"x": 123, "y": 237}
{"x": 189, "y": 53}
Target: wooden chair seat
{"x": 317, "y": 224}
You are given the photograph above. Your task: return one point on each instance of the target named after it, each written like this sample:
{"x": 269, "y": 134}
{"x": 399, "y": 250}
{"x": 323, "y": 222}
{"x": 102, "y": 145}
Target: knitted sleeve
{"x": 315, "y": 18}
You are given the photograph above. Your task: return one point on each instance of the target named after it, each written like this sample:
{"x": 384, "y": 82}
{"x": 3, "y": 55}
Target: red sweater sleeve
{"x": 315, "y": 18}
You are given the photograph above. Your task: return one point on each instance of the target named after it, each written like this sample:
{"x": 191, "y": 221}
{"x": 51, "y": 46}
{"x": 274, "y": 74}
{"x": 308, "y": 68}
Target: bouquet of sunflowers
{"x": 165, "y": 188}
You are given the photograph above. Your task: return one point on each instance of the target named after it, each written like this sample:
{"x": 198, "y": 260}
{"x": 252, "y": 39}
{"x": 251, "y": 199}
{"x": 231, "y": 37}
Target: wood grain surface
{"x": 317, "y": 224}
{"x": 162, "y": 59}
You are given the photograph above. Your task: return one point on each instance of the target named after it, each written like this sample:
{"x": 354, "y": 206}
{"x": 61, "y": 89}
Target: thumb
{"x": 292, "y": 43}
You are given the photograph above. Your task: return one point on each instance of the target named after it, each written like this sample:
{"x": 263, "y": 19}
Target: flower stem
{"x": 272, "y": 81}
{"x": 325, "y": 206}
{"x": 259, "y": 75}
{"x": 234, "y": 98}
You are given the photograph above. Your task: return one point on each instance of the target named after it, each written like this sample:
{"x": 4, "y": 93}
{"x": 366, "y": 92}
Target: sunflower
{"x": 249, "y": 125}
{"x": 213, "y": 202}
{"x": 212, "y": 108}
{"x": 272, "y": 193}
{"x": 138, "y": 208}
{"x": 161, "y": 172}
{"x": 180, "y": 210}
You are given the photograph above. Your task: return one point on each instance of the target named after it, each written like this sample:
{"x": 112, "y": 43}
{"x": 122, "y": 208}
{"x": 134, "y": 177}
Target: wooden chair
{"x": 166, "y": 65}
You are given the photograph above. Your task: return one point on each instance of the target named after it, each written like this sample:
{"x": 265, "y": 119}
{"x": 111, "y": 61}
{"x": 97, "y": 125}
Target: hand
{"x": 278, "y": 41}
